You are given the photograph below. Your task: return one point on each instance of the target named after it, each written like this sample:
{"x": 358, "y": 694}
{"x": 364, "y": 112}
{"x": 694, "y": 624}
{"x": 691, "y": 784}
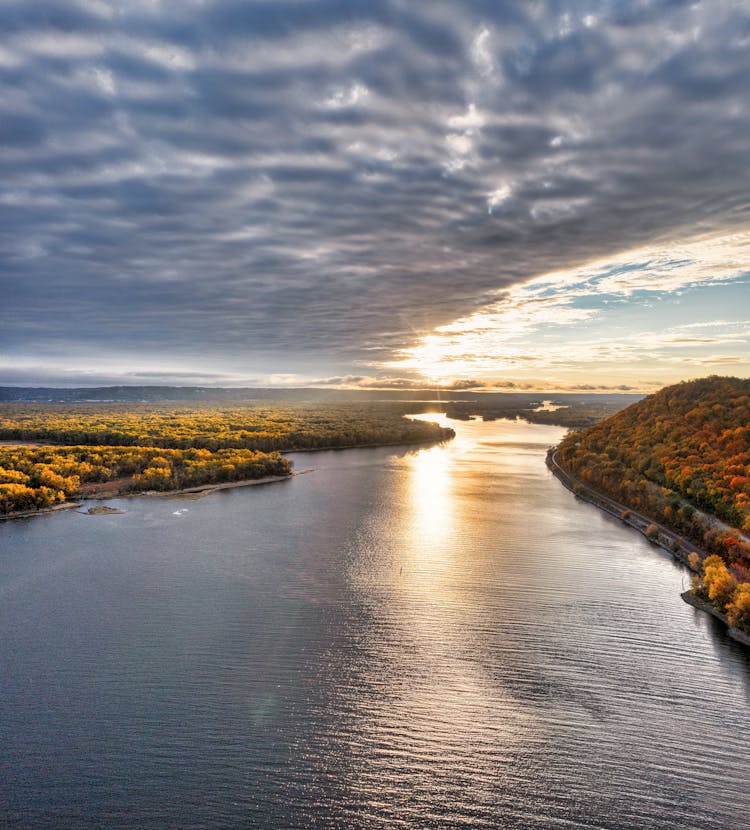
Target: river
{"x": 442, "y": 637}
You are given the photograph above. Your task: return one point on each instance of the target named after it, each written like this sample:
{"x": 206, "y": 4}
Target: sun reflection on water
{"x": 431, "y": 498}
{"x": 432, "y": 694}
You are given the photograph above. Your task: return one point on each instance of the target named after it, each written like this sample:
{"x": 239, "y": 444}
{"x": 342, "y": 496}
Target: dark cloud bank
{"x": 276, "y": 185}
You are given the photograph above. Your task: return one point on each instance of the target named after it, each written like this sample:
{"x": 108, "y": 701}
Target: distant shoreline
{"x": 673, "y": 543}
{"x": 416, "y": 445}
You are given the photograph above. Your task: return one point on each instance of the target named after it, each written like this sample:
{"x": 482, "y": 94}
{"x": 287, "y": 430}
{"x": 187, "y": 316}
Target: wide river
{"x": 434, "y": 638}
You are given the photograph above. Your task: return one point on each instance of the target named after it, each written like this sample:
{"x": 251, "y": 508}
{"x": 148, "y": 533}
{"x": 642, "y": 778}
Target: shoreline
{"x": 366, "y": 446}
{"x": 666, "y": 539}
{"x": 201, "y": 489}
{"x": 735, "y": 633}
{"x": 29, "y": 514}
{"x": 673, "y": 543}
{"x": 428, "y": 442}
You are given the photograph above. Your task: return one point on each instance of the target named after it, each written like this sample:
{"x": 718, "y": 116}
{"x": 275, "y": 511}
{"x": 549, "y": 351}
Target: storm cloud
{"x": 310, "y": 187}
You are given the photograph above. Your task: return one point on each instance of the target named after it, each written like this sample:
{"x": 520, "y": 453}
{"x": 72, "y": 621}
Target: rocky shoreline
{"x": 735, "y": 633}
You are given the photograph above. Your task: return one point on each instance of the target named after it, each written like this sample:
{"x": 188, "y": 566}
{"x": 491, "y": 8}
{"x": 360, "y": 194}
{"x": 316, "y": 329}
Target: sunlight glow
{"x": 570, "y": 322}
{"x": 430, "y": 497}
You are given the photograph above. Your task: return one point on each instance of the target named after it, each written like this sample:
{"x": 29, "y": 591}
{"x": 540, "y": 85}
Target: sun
{"x": 441, "y": 359}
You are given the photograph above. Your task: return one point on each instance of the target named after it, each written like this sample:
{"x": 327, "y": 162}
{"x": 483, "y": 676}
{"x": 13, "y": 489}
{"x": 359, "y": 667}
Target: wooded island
{"x": 143, "y": 447}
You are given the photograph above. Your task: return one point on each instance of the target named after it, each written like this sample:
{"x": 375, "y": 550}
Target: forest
{"x": 255, "y": 427}
{"x": 38, "y": 477}
{"x": 681, "y": 457}
{"x": 93, "y": 449}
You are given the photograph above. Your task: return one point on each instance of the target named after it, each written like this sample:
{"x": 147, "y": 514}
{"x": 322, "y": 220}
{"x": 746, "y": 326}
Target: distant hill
{"x": 568, "y": 409}
{"x": 687, "y": 446}
{"x": 159, "y": 394}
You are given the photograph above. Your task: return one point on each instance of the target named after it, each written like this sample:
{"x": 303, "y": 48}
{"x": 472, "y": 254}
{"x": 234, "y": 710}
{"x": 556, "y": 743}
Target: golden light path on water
{"x": 431, "y": 498}
{"x": 435, "y": 702}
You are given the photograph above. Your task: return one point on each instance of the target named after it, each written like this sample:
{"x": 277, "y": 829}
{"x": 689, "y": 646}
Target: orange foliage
{"x": 686, "y": 447}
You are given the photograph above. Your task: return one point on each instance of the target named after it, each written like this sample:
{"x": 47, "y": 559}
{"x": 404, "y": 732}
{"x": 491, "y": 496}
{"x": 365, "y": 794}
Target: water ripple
{"x": 443, "y": 638}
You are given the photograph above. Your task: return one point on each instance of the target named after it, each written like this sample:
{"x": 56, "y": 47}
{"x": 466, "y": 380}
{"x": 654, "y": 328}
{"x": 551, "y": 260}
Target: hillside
{"x": 681, "y": 457}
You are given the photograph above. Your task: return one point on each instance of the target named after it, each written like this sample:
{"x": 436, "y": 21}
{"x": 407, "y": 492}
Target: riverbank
{"x": 735, "y": 633}
{"x": 663, "y": 537}
{"x": 201, "y": 490}
{"x": 27, "y": 514}
{"x": 111, "y": 490}
{"x": 204, "y": 489}
{"x": 195, "y": 492}
{"x": 675, "y": 544}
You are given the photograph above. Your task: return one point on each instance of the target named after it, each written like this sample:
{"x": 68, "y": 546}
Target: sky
{"x": 475, "y": 195}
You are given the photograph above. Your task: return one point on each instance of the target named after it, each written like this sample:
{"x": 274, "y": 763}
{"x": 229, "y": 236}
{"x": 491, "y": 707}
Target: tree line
{"x": 33, "y": 478}
{"x": 264, "y": 428}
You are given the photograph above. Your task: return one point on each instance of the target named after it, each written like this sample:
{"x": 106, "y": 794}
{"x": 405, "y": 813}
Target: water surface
{"x": 434, "y": 638}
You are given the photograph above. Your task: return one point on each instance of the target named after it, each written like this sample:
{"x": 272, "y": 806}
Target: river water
{"x": 409, "y": 639}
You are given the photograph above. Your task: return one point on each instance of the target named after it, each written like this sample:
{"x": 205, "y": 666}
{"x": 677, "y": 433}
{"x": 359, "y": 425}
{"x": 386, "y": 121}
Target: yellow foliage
{"x": 13, "y": 477}
{"x": 719, "y": 583}
{"x": 162, "y": 447}
{"x": 738, "y": 609}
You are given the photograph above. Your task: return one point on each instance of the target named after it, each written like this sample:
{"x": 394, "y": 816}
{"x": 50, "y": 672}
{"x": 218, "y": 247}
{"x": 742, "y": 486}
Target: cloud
{"x": 551, "y": 319}
{"x": 416, "y": 383}
{"x": 291, "y": 188}
{"x": 82, "y": 375}
{"x": 393, "y": 383}
{"x": 716, "y": 360}
{"x": 466, "y": 384}
{"x": 344, "y": 381}
{"x": 590, "y": 387}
